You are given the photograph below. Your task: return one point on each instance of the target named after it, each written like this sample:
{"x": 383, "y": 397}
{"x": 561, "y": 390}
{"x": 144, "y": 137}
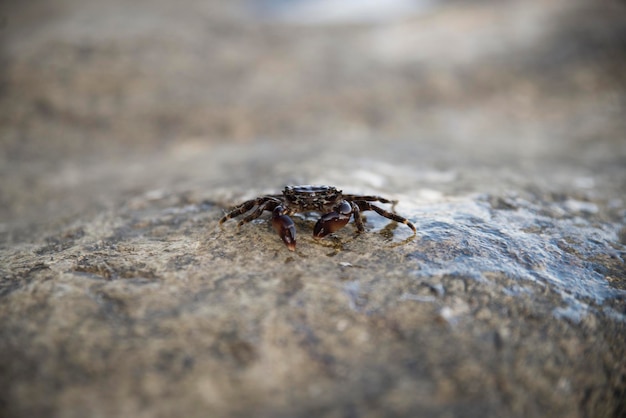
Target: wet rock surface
{"x": 128, "y": 130}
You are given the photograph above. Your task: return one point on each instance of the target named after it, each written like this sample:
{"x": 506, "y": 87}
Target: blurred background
{"x": 98, "y": 98}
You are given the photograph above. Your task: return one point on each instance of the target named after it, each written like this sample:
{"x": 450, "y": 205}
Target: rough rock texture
{"x": 128, "y": 129}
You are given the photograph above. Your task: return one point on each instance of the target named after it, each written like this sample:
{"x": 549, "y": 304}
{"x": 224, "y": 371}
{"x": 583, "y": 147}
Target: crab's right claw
{"x": 285, "y": 228}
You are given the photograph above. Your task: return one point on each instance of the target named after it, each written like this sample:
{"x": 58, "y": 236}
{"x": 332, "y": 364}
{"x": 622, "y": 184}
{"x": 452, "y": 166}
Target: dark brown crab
{"x": 336, "y": 207}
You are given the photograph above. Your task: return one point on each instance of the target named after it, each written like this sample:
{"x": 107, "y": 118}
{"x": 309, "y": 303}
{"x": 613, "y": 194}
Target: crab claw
{"x": 330, "y": 223}
{"x": 285, "y": 228}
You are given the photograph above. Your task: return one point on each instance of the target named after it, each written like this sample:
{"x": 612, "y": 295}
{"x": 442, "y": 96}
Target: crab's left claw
{"x": 285, "y": 228}
{"x": 333, "y": 221}
{"x": 329, "y": 223}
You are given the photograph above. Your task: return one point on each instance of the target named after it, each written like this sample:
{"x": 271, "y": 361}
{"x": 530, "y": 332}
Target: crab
{"x": 336, "y": 208}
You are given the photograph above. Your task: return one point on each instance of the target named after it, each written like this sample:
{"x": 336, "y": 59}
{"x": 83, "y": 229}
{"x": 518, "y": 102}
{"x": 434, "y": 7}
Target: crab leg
{"x": 285, "y": 227}
{"x": 267, "y": 205}
{"x": 363, "y": 205}
{"x": 243, "y": 208}
{"x": 355, "y": 197}
{"x": 358, "y": 219}
{"x": 335, "y": 220}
